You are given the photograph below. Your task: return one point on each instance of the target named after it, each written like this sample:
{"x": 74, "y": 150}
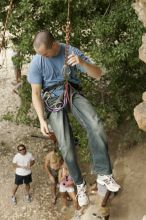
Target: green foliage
{"x": 22, "y": 116}
{"x": 132, "y": 135}
{"x": 81, "y": 137}
{"x": 108, "y": 30}
{"x": 25, "y": 95}
{"x": 117, "y": 38}
{"x": 78, "y": 131}
{"x": 8, "y": 116}
{"x": 17, "y": 61}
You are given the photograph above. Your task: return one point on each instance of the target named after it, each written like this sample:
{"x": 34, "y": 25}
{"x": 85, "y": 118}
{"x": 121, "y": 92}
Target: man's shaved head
{"x": 43, "y": 38}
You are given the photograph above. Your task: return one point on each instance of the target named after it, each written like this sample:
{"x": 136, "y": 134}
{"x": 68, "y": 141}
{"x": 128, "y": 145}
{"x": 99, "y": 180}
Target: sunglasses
{"x": 22, "y": 149}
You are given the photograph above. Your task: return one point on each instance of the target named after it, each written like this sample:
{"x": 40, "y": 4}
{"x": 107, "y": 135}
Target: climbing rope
{"x": 67, "y": 30}
{"x": 66, "y": 69}
{"x": 61, "y": 101}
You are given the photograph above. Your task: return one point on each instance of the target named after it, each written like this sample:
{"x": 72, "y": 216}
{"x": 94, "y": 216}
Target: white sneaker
{"x": 109, "y": 182}
{"x": 144, "y": 217}
{"x": 14, "y": 201}
{"x": 28, "y": 198}
{"x": 81, "y": 194}
{"x": 77, "y": 215}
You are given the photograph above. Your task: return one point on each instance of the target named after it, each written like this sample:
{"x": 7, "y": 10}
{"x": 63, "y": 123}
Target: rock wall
{"x": 140, "y": 9}
{"x": 140, "y": 113}
{"x": 140, "y": 110}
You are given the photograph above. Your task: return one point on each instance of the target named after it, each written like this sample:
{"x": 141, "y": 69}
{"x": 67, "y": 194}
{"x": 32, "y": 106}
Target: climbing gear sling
{"x": 54, "y": 104}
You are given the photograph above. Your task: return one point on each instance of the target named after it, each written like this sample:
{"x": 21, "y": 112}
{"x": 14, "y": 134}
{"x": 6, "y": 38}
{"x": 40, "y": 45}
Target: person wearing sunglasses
{"x": 23, "y": 161}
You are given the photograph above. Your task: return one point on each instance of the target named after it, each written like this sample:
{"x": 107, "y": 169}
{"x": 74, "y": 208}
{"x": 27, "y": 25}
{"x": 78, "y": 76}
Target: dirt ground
{"x": 129, "y": 169}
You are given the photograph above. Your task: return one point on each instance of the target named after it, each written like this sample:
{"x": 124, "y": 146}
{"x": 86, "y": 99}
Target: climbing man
{"x": 47, "y": 76}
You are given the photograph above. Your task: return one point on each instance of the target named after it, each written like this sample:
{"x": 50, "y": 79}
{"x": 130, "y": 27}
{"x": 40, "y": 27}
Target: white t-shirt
{"x": 23, "y": 160}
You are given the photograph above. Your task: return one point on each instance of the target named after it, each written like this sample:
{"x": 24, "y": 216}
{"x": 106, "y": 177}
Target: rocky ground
{"x": 40, "y": 208}
{"x": 129, "y": 168}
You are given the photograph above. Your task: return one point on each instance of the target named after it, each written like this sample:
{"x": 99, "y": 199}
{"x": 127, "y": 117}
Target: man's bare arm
{"x": 32, "y": 163}
{"x": 15, "y": 165}
{"x": 91, "y": 69}
{"x": 37, "y": 100}
{"x": 38, "y": 105}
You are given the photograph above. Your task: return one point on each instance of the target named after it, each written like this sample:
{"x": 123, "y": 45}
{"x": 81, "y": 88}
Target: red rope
{"x": 67, "y": 30}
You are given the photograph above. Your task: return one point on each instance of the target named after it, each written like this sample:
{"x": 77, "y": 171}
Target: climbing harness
{"x": 54, "y": 104}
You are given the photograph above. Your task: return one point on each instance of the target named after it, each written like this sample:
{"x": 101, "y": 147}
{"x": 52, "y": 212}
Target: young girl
{"x": 66, "y": 187}
{"x": 53, "y": 162}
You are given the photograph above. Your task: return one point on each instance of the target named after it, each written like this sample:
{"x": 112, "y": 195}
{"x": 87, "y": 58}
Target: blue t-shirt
{"x": 48, "y": 71}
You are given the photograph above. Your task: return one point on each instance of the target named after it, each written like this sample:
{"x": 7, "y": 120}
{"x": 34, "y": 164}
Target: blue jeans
{"x": 87, "y": 117}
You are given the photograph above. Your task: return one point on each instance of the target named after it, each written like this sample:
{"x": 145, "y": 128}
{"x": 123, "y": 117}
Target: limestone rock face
{"x": 140, "y": 110}
{"x": 140, "y": 9}
{"x": 144, "y": 96}
{"x": 142, "y": 49}
{"x": 140, "y": 114}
